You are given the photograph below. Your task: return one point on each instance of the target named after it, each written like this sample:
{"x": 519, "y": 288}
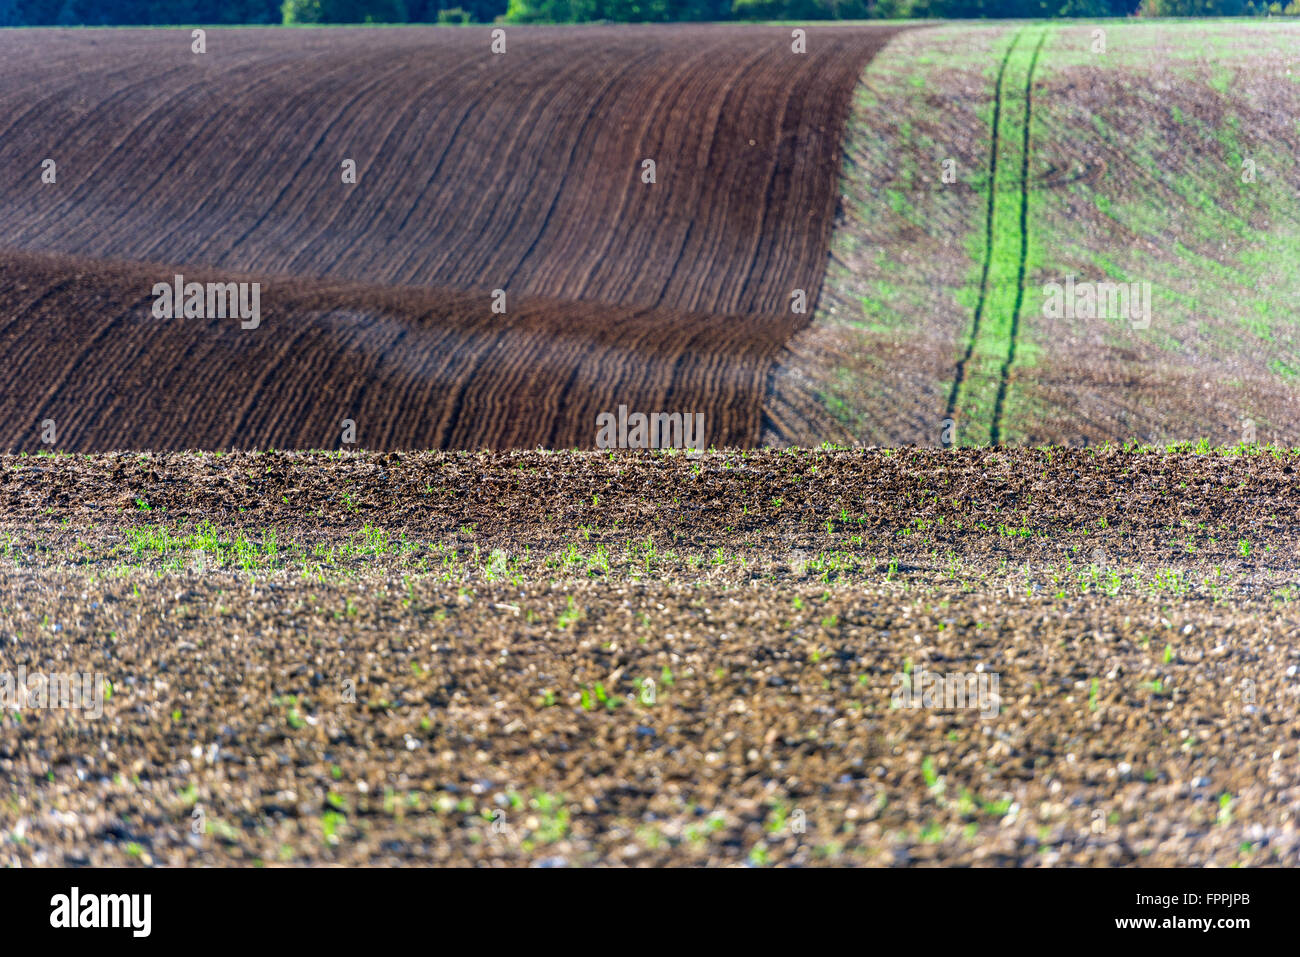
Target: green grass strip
{"x": 980, "y": 390}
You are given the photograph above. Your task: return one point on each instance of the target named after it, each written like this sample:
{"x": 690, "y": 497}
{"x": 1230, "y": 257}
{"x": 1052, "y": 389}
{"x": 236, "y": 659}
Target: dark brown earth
{"x": 393, "y": 658}
{"x": 412, "y": 368}
{"x": 475, "y": 172}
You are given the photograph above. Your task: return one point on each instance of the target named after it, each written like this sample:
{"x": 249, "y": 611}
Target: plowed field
{"x": 520, "y": 171}
{"x": 410, "y": 367}
{"x": 572, "y": 658}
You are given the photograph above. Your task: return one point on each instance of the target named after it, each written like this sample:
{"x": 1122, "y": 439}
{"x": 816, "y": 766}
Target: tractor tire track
{"x": 995, "y": 429}
{"x": 960, "y": 373}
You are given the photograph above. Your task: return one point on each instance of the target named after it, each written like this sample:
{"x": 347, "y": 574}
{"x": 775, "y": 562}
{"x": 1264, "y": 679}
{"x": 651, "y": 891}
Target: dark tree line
{"x": 162, "y": 12}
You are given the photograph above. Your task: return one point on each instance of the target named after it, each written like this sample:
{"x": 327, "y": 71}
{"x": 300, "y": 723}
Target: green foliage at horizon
{"x": 265, "y": 12}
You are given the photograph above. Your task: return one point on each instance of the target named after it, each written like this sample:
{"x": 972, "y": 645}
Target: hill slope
{"x": 1158, "y": 153}
{"x": 475, "y": 171}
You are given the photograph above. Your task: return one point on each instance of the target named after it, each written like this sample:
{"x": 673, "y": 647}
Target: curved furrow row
{"x": 475, "y": 172}
{"x": 527, "y": 174}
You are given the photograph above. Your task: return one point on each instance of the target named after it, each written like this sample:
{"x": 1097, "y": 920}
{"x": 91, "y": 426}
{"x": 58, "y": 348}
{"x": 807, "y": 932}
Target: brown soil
{"x": 401, "y": 658}
{"x": 519, "y": 172}
{"x": 412, "y": 368}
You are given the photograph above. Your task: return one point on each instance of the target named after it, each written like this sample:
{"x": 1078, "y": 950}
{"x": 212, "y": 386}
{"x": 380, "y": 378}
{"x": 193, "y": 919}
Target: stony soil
{"x": 576, "y": 659}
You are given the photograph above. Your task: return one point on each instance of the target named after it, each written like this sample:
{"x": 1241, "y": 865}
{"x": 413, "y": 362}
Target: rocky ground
{"x": 636, "y": 659}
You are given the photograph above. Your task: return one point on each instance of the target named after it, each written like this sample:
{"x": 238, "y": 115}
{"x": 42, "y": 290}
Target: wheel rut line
{"x": 960, "y": 372}
{"x": 995, "y": 428}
